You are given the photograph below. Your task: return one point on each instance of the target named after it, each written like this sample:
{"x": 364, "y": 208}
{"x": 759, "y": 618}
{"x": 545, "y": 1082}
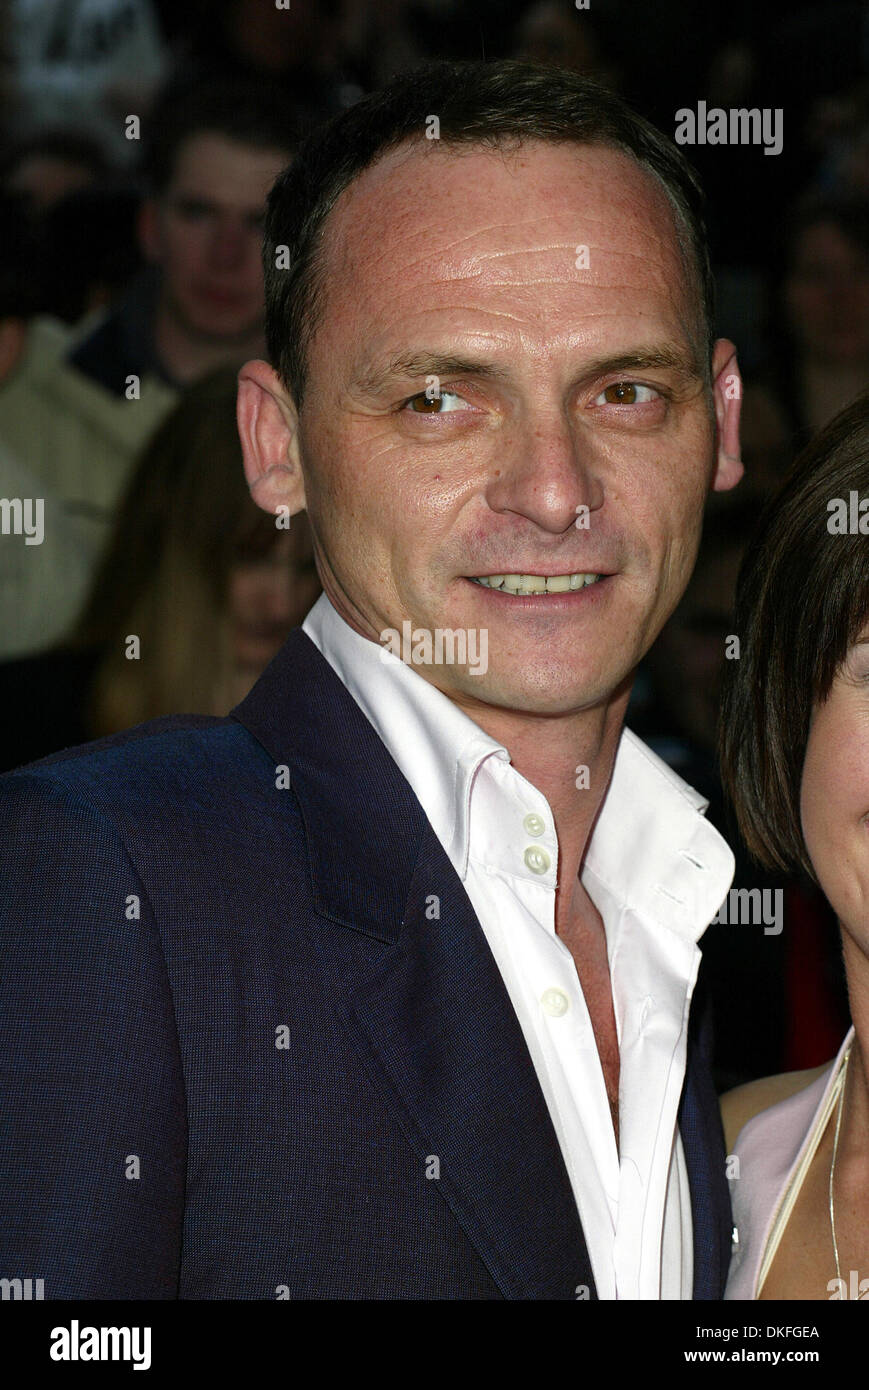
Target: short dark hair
{"x": 248, "y": 111}
{"x": 802, "y": 599}
{"x": 491, "y": 104}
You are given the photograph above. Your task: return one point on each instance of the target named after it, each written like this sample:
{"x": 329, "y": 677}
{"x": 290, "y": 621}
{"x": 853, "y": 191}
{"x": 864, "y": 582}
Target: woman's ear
{"x": 268, "y": 429}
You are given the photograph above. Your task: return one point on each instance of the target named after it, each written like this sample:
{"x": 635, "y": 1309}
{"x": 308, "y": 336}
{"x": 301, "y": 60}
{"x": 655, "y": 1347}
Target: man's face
{"x": 206, "y": 234}
{"x": 568, "y": 380}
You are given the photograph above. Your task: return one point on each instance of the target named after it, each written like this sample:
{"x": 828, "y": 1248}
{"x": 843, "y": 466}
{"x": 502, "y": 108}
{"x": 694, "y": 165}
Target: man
{"x": 214, "y": 149}
{"x": 379, "y": 987}
{"x": 78, "y": 407}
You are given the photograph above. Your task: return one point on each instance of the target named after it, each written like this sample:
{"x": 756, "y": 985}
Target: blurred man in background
{"x": 78, "y": 406}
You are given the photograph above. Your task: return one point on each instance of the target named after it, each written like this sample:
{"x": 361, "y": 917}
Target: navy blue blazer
{"x": 240, "y": 1059}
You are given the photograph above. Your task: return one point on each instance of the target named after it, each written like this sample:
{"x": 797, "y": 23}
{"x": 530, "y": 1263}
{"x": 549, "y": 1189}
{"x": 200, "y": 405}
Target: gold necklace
{"x": 833, "y": 1164}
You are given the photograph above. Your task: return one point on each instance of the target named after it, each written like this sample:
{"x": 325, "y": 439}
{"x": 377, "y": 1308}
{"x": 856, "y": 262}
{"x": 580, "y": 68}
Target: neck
{"x": 548, "y": 750}
{"x": 187, "y": 355}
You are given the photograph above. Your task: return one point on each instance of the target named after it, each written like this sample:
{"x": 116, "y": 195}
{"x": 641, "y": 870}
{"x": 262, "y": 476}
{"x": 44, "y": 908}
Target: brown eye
{"x": 445, "y": 403}
{"x": 425, "y": 405}
{"x": 621, "y": 393}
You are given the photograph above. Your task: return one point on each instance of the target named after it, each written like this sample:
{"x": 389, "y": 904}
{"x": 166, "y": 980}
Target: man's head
{"x": 540, "y": 269}
{"x": 214, "y": 149}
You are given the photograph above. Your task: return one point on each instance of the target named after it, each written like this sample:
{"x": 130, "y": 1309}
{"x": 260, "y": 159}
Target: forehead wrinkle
{"x": 565, "y": 248}
{"x": 455, "y": 278}
{"x": 368, "y": 211}
{"x": 659, "y": 257}
{"x": 472, "y": 267}
{"x": 591, "y": 279}
{"x": 621, "y": 206}
{"x": 426, "y": 232}
{"x": 523, "y": 308}
{"x": 623, "y": 256}
{"x": 557, "y": 281}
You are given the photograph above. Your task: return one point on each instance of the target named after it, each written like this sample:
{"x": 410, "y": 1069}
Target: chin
{"x": 561, "y": 694}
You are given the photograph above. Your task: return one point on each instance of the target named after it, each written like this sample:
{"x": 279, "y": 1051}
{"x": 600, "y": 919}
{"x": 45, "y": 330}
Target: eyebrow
{"x": 665, "y": 358}
{"x": 417, "y": 364}
{"x": 407, "y": 365}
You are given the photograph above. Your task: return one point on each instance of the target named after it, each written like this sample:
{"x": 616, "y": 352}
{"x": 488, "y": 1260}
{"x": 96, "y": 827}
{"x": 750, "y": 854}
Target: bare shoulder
{"x": 744, "y": 1102}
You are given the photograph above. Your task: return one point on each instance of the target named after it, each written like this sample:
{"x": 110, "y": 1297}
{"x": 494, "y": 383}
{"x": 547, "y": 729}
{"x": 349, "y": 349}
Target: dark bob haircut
{"x": 802, "y": 600}
{"x": 496, "y": 105}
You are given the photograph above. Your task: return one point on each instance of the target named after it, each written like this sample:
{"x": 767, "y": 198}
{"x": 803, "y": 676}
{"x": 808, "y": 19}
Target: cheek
{"x": 664, "y": 496}
{"x": 349, "y": 503}
{"x": 834, "y": 807}
{"x": 812, "y": 798}
{"x": 670, "y": 540}
{"x": 829, "y": 791}
{"x": 358, "y": 484}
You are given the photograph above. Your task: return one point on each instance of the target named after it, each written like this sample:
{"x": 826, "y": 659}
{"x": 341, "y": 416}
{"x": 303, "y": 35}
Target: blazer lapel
{"x": 433, "y": 1020}
{"x": 703, "y": 1144}
{"x": 448, "y": 1050}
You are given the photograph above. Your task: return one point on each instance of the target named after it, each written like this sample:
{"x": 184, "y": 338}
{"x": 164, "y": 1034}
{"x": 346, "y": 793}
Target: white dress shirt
{"x": 657, "y": 872}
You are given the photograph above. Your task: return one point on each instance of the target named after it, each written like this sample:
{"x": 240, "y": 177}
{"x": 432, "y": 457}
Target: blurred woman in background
{"x": 196, "y": 591}
{"x": 795, "y": 761}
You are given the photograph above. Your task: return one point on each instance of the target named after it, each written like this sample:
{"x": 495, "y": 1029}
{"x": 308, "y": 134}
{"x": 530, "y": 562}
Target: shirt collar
{"x": 651, "y": 847}
{"x": 435, "y": 744}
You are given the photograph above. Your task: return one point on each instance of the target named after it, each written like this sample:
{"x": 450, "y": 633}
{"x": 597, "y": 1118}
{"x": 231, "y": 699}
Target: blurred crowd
{"x": 140, "y": 138}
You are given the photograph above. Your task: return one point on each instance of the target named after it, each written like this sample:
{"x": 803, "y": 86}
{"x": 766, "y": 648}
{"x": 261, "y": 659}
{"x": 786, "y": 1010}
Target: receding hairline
{"x": 506, "y": 145}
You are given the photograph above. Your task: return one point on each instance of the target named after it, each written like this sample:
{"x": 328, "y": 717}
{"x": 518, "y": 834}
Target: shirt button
{"x": 555, "y": 1002}
{"x": 534, "y": 824}
{"x": 537, "y": 859}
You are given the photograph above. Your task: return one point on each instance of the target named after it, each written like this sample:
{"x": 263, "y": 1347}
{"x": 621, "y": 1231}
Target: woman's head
{"x": 795, "y": 709}
{"x": 209, "y": 583}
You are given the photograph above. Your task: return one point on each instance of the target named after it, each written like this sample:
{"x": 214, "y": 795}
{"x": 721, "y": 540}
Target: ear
{"x": 727, "y": 390}
{"x": 268, "y": 426}
{"x": 148, "y": 229}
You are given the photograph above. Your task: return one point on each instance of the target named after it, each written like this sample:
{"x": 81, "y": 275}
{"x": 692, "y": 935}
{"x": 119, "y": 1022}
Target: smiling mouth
{"x": 536, "y": 583}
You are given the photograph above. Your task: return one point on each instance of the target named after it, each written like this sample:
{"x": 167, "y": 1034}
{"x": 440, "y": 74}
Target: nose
{"x": 547, "y": 474}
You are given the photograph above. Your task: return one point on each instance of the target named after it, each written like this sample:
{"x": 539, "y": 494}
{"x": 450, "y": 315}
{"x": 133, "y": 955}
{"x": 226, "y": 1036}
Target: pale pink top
{"x": 775, "y": 1150}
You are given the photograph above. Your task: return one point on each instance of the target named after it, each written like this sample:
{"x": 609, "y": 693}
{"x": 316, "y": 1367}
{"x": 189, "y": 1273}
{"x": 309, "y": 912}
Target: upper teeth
{"x": 536, "y": 583}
